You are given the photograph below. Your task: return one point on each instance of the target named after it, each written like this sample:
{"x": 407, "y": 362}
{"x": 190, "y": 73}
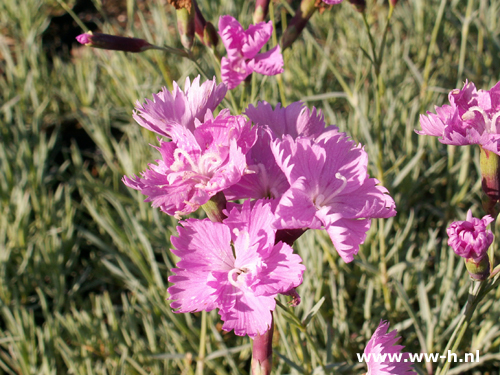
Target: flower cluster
{"x": 293, "y": 173}
{"x": 472, "y": 117}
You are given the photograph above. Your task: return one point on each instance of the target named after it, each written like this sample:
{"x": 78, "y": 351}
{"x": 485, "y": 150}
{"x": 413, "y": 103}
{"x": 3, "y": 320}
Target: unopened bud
{"x": 359, "y": 5}
{"x": 260, "y": 12}
{"x": 186, "y": 25}
{"x": 210, "y": 35}
{"x": 113, "y": 42}
{"x": 298, "y": 22}
{"x": 490, "y": 174}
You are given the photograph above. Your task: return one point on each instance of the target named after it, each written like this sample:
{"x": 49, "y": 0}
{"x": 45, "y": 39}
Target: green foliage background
{"x": 84, "y": 261}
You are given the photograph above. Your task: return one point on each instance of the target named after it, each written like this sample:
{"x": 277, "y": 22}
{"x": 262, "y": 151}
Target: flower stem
{"x": 200, "y": 362}
{"x": 262, "y": 352}
{"x": 213, "y": 208}
{"x": 475, "y": 296}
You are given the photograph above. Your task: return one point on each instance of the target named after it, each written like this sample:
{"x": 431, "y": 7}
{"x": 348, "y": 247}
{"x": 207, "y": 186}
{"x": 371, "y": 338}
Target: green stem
{"x": 476, "y": 294}
{"x": 200, "y": 362}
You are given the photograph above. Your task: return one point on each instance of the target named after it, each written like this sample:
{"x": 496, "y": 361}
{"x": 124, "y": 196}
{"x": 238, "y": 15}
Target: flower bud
{"x": 359, "y": 5}
{"x": 260, "y": 12}
{"x": 298, "y": 22}
{"x": 210, "y": 36}
{"x": 113, "y": 42}
{"x": 490, "y": 174}
{"x": 470, "y": 239}
{"x": 186, "y": 25}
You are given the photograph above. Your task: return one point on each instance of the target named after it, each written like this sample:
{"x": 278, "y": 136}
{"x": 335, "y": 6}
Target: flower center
{"x": 322, "y": 200}
{"x": 234, "y": 274}
{"x": 201, "y": 170}
{"x": 489, "y": 123}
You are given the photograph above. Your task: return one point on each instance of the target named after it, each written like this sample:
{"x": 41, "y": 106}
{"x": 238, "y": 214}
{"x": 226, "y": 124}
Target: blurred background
{"x": 84, "y": 261}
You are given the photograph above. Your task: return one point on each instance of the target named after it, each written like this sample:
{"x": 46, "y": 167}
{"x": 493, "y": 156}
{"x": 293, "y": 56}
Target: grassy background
{"x": 84, "y": 261}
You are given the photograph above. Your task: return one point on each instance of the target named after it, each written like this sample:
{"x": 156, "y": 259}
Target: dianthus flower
{"x": 268, "y": 181}
{"x": 196, "y": 165}
{"x": 179, "y": 107}
{"x": 382, "y": 348}
{"x": 332, "y": 2}
{"x": 329, "y": 189}
{"x": 471, "y": 118}
{"x": 242, "y": 51}
{"x": 234, "y": 266}
{"x": 470, "y": 238}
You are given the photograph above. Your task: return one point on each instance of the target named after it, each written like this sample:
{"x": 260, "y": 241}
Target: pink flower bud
{"x": 114, "y": 42}
{"x": 470, "y": 239}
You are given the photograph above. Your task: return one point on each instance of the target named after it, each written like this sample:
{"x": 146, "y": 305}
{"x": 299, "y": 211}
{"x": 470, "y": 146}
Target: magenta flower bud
{"x": 470, "y": 239}
{"x": 114, "y": 42}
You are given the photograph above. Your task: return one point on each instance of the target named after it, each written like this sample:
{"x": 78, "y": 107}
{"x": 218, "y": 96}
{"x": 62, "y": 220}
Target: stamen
{"x": 208, "y": 162}
{"x": 178, "y": 163}
{"x": 470, "y": 115}
{"x": 230, "y": 277}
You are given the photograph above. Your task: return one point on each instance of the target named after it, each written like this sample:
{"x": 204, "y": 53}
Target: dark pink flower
{"x": 243, "y": 46}
{"x": 471, "y": 118}
{"x": 196, "y": 165}
{"x": 233, "y": 266}
{"x": 385, "y": 357}
{"x": 329, "y": 189}
{"x": 267, "y": 179}
{"x": 470, "y": 238}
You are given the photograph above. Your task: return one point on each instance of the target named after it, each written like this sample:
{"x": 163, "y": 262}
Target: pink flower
{"x": 332, "y": 2}
{"x": 233, "y": 266}
{"x": 330, "y": 189}
{"x": 268, "y": 181}
{"x": 179, "y": 107}
{"x": 385, "y": 356}
{"x": 471, "y": 118}
{"x": 470, "y": 238}
{"x": 242, "y": 51}
{"x": 196, "y": 165}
